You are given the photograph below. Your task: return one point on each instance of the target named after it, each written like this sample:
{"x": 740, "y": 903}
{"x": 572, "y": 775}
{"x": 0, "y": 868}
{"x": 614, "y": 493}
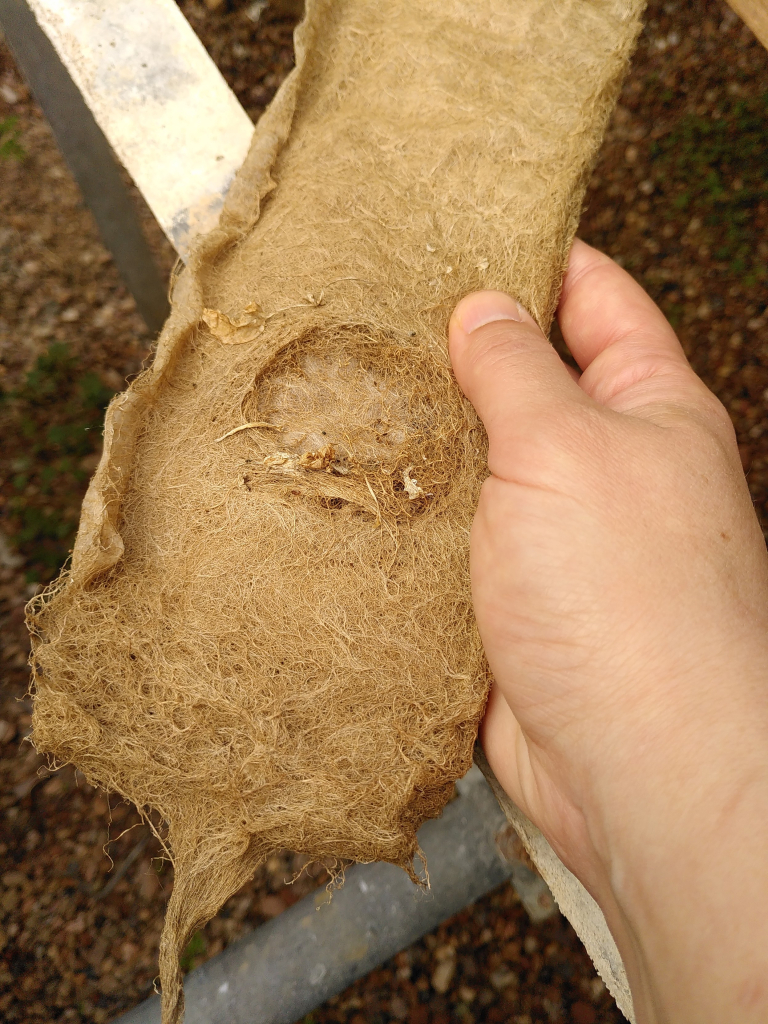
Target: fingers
{"x": 631, "y": 359}
{"x": 602, "y": 305}
{"x": 627, "y": 350}
{"x": 509, "y": 372}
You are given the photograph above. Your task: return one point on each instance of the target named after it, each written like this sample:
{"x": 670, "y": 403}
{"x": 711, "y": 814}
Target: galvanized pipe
{"x": 287, "y": 967}
{"x": 89, "y": 157}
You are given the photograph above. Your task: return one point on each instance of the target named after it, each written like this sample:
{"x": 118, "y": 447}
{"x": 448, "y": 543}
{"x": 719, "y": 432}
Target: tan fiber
{"x": 266, "y": 631}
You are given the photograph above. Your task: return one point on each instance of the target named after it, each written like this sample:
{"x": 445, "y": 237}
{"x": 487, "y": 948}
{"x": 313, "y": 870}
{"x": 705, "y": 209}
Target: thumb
{"x": 509, "y": 372}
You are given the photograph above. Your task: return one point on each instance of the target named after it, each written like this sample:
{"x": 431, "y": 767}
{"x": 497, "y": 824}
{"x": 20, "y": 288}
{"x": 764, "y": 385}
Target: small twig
{"x": 247, "y": 426}
{"x": 373, "y": 495}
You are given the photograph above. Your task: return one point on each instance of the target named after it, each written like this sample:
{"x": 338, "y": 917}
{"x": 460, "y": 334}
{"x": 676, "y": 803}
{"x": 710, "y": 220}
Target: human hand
{"x": 620, "y": 583}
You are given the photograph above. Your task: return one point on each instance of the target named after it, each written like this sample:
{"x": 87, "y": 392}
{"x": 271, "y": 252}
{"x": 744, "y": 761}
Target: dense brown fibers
{"x": 266, "y": 633}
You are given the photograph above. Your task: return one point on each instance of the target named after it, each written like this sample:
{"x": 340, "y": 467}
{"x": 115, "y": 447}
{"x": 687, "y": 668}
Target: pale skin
{"x": 620, "y": 583}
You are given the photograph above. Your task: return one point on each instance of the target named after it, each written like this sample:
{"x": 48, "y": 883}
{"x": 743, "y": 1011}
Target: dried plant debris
{"x": 265, "y": 635}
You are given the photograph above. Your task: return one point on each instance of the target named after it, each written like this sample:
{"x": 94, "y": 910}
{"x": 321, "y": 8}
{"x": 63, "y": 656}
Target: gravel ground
{"x": 679, "y": 197}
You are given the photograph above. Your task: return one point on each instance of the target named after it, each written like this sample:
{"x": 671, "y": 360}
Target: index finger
{"x": 611, "y": 325}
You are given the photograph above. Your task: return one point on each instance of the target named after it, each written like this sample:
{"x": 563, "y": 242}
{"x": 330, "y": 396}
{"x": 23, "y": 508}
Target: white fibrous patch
{"x": 412, "y": 488}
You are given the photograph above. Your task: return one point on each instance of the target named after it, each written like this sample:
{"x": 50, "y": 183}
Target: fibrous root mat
{"x": 266, "y": 632}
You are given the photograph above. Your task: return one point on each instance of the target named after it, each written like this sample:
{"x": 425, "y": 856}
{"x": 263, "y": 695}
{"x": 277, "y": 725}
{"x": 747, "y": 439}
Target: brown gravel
{"x": 680, "y": 197}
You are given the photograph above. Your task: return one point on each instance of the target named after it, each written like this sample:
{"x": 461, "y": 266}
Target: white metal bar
{"x": 160, "y": 100}
{"x": 281, "y": 971}
{"x": 90, "y": 159}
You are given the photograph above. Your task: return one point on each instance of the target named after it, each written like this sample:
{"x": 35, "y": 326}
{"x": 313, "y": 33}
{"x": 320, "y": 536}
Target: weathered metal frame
{"x": 289, "y": 966}
{"x": 89, "y": 157}
{"x": 165, "y": 107}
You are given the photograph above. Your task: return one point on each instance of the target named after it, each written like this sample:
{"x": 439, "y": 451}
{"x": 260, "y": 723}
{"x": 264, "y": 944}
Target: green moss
{"x": 53, "y": 426}
{"x": 195, "y": 948}
{"x": 10, "y": 147}
{"x": 716, "y": 169}
{"x": 674, "y": 313}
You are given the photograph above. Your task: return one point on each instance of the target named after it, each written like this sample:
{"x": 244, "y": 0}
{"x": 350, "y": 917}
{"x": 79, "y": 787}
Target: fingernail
{"x": 487, "y": 308}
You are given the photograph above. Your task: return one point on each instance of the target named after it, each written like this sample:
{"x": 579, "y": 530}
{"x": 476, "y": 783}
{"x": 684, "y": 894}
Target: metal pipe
{"x": 89, "y": 157}
{"x": 169, "y": 115}
{"x": 294, "y": 963}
